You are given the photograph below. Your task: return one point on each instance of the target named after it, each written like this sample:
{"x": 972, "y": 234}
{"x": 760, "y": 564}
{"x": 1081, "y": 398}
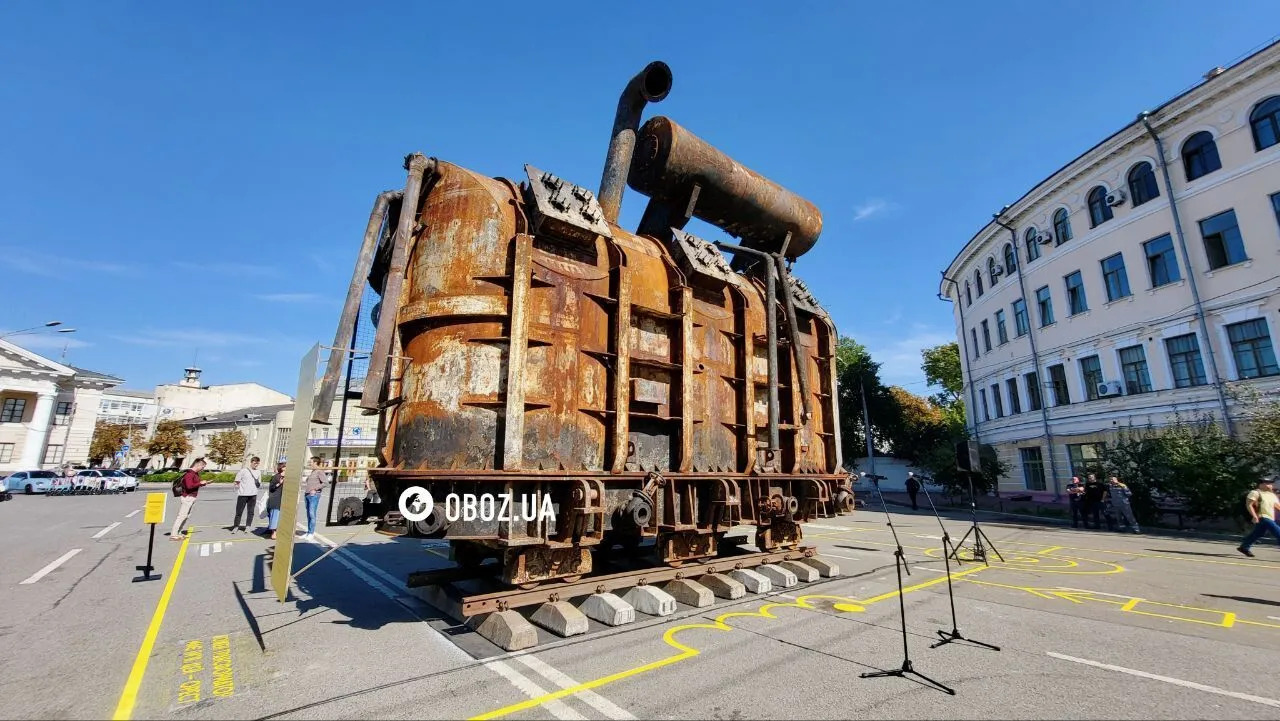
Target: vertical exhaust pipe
{"x": 651, "y": 85}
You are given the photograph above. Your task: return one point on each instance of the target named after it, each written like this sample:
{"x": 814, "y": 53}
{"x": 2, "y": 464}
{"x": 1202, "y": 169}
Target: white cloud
{"x": 872, "y": 208}
{"x": 53, "y": 266}
{"x": 292, "y": 298}
{"x": 189, "y": 338}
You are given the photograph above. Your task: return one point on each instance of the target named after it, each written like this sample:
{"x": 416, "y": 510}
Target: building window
{"x": 1010, "y": 260}
{"x": 976, "y": 351}
{"x": 1061, "y": 226}
{"x": 997, "y": 400}
{"x": 986, "y": 336}
{"x": 1075, "y": 293}
{"x": 1091, "y": 372}
{"x": 1032, "y": 380}
{"x": 1251, "y": 347}
{"x": 1162, "y": 264}
{"x": 993, "y": 270}
{"x": 1044, "y": 302}
{"x": 1033, "y": 248}
{"x": 1223, "y": 244}
{"x": 1032, "y": 469}
{"x": 1115, "y": 277}
{"x": 1275, "y": 206}
{"x": 977, "y": 280}
{"x": 1265, "y": 120}
{"x": 1200, "y": 155}
{"x": 1133, "y": 363}
{"x": 986, "y": 413}
{"x": 1084, "y": 458}
{"x": 968, "y": 293}
{"x": 1021, "y": 323}
{"x": 1002, "y": 330}
{"x": 1184, "y": 358}
{"x": 1058, "y": 379}
{"x": 6, "y": 452}
{"x": 1142, "y": 184}
{"x": 62, "y": 414}
{"x": 14, "y": 409}
{"x": 1099, "y": 211}
{"x": 53, "y": 454}
{"x": 1015, "y": 398}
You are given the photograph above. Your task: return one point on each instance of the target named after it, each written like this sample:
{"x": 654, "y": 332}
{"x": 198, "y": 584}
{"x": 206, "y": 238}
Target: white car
{"x": 106, "y": 480}
{"x": 28, "y": 482}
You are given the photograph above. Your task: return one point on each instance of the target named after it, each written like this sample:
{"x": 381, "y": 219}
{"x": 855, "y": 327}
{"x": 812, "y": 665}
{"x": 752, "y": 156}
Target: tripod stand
{"x": 900, "y": 562}
{"x": 979, "y": 550}
{"x": 954, "y": 634}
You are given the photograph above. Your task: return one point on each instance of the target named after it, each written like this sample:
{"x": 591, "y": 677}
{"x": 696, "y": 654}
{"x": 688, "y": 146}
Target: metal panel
{"x": 296, "y": 468}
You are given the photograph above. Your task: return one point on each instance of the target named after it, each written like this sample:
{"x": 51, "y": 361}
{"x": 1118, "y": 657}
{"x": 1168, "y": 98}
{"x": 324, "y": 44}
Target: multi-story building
{"x": 261, "y": 425}
{"x": 1137, "y": 283}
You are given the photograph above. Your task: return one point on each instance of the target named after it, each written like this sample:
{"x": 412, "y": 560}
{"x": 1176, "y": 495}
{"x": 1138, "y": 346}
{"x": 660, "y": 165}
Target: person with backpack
{"x": 1261, "y": 505}
{"x": 186, "y": 487}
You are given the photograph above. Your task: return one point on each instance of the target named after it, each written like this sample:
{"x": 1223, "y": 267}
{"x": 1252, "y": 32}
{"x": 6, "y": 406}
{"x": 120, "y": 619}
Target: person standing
{"x": 1261, "y": 504}
{"x": 248, "y": 481}
{"x": 1075, "y": 498}
{"x": 913, "y": 488}
{"x": 1120, "y": 503}
{"x": 188, "y": 487}
{"x": 1094, "y": 493}
{"x": 312, "y": 488}
{"x": 275, "y": 492}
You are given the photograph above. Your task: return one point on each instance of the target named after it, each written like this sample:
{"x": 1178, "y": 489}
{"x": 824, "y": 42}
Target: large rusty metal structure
{"x": 655, "y": 388}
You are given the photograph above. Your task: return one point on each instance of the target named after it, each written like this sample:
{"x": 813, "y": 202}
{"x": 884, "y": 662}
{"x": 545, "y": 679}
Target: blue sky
{"x": 183, "y": 177}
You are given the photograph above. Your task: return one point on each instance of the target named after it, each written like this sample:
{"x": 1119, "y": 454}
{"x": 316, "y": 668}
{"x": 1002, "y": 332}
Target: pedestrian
{"x": 1121, "y": 495}
{"x": 187, "y": 488}
{"x": 913, "y": 487}
{"x": 1075, "y": 498}
{"x": 248, "y": 481}
{"x": 1261, "y": 505}
{"x": 275, "y": 491}
{"x": 1094, "y": 493}
{"x": 313, "y": 487}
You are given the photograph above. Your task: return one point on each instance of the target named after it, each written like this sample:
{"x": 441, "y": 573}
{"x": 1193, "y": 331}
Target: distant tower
{"x": 191, "y": 379}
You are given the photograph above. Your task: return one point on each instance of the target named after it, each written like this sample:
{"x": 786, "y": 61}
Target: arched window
{"x": 1061, "y": 226}
{"x": 1033, "y": 248}
{"x": 993, "y": 272}
{"x": 1099, "y": 211}
{"x": 1200, "y": 155}
{"x": 968, "y": 292}
{"x": 1265, "y": 120}
{"x": 1142, "y": 184}
{"x": 977, "y": 280}
{"x": 1010, "y": 260}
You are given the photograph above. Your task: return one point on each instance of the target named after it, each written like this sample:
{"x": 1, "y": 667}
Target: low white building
{"x": 189, "y": 399}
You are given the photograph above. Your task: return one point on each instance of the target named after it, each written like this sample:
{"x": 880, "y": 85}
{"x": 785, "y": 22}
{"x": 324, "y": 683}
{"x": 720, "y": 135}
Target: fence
{"x": 352, "y": 435}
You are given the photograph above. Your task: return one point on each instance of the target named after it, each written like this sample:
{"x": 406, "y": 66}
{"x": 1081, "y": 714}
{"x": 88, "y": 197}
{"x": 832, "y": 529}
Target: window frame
{"x": 1010, "y": 259}
{"x": 6, "y": 452}
{"x": 991, "y": 272}
{"x": 997, "y": 400}
{"x": 1141, "y": 383}
{"x": 1002, "y": 328}
{"x": 1172, "y": 267}
{"x": 1061, "y": 222}
{"x": 977, "y": 278}
{"x": 1033, "y": 248}
{"x": 1061, "y": 387}
{"x": 1015, "y": 396}
{"x": 1121, "y": 276}
{"x": 1222, "y": 238}
{"x": 1258, "y": 352}
{"x": 986, "y": 411}
{"x": 1034, "y": 400}
{"x": 1045, "y": 303}
{"x": 1273, "y": 118}
{"x": 1099, "y": 211}
{"x": 1205, "y": 151}
{"x": 986, "y": 335}
{"x": 13, "y": 410}
{"x": 1091, "y": 387}
{"x": 1021, "y": 319}
{"x": 1150, "y": 189}
{"x": 1196, "y": 375}
{"x": 977, "y": 350}
{"x": 1075, "y": 293}
{"x": 1033, "y": 475}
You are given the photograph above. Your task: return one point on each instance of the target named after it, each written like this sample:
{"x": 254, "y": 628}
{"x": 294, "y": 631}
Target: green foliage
{"x": 169, "y": 440}
{"x": 108, "y": 439}
{"x": 940, "y": 463}
{"x": 856, "y": 372}
{"x": 171, "y": 476}
{"x": 228, "y": 447}
{"x": 916, "y": 427}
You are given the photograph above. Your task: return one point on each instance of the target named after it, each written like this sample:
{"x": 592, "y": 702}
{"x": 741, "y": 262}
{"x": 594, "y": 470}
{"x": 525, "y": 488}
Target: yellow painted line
{"x": 124, "y": 709}
{"x": 1047, "y": 551}
{"x": 843, "y": 603}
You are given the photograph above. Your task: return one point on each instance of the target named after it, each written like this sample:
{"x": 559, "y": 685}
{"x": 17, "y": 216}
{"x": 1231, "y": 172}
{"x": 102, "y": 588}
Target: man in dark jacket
{"x": 913, "y": 488}
{"x": 1094, "y": 494}
{"x": 190, "y": 488}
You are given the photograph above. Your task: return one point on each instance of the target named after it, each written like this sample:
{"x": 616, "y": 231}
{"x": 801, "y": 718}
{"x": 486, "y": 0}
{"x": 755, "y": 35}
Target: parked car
{"x": 29, "y": 481}
{"x": 96, "y": 480}
{"x": 122, "y": 479}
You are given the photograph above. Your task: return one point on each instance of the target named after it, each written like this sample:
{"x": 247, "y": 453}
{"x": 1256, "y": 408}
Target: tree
{"x": 108, "y": 439}
{"x": 856, "y": 373}
{"x": 942, "y": 368}
{"x": 228, "y": 447}
{"x": 169, "y": 441}
{"x": 918, "y": 427}
{"x": 940, "y": 463}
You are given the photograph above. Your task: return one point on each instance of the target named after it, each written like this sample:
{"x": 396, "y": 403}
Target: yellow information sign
{"x": 153, "y": 512}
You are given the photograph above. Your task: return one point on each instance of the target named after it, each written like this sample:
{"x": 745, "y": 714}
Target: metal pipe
{"x": 351, "y": 308}
{"x": 771, "y": 331}
{"x": 1191, "y": 275}
{"x": 1035, "y": 357}
{"x": 964, "y": 340}
{"x": 801, "y": 366}
{"x": 650, "y": 85}
{"x": 380, "y": 358}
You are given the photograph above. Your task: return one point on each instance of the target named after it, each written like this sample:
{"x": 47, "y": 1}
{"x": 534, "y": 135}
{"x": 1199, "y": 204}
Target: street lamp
{"x": 38, "y": 328}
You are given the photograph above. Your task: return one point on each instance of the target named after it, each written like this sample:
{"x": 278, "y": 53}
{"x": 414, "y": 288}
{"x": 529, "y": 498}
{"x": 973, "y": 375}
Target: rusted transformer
{"x": 528, "y": 346}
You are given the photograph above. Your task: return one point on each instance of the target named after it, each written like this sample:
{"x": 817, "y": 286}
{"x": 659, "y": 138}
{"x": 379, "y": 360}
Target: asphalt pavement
{"x": 1090, "y": 624}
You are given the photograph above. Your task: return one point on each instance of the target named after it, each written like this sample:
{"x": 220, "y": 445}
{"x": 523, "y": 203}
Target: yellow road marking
{"x": 1050, "y": 549}
{"x": 129, "y": 697}
{"x": 843, "y": 603}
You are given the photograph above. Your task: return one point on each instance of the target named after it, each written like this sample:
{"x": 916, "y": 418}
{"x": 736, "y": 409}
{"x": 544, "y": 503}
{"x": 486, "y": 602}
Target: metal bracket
{"x": 698, "y": 257}
{"x": 563, "y": 209}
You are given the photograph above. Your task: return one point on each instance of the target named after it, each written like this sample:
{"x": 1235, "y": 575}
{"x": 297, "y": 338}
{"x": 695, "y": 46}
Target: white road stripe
{"x": 106, "y": 530}
{"x": 827, "y": 528}
{"x": 591, "y": 698}
{"x": 204, "y": 549}
{"x": 45, "y": 571}
{"x": 932, "y": 538}
{"x": 1095, "y": 593}
{"x": 533, "y": 690}
{"x": 131, "y": 514}
{"x": 837, "y": 555}
{"x": 926, "y": 568}
{"x": 1274, "y": 618}
{"x": 217, "y": 547}
{"x": 1175, "y": 681}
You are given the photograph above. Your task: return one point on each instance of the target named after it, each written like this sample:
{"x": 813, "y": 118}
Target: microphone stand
{"x": 954, "y": 634}
{"x": 900, "y": 562}
{"x": 979, "y": 551}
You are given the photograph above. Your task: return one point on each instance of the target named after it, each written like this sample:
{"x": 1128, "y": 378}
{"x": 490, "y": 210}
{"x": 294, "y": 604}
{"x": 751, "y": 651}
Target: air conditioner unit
{"x": 1111, "y": 388}
{"x": 1044, "y": 238}
{"x": 997, "y": 271}
{"x": 1115, "y": 197}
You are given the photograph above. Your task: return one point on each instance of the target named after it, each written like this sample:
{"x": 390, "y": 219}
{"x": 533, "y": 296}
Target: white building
{"x": 262, "y": 426}
{"x": 189, "y": 399}
{"x": 47, "y": 409}
{"x": 1138, "y": 281}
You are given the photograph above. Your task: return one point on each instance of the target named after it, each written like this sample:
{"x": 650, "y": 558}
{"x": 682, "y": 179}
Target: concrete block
{"x": 561, "y": 618}
{"x": 608, "y": 608}
{"x": 650, "y": 600}
{"x": 754, "y": 582}
{"x": 828, "y": 569}
{"x": 690, "y": 593}
{"x": 804, "y": 574}
{"x": 507, "y": 630}
{"x": 723, "y": 586}
{"x": 777, "y": 575}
